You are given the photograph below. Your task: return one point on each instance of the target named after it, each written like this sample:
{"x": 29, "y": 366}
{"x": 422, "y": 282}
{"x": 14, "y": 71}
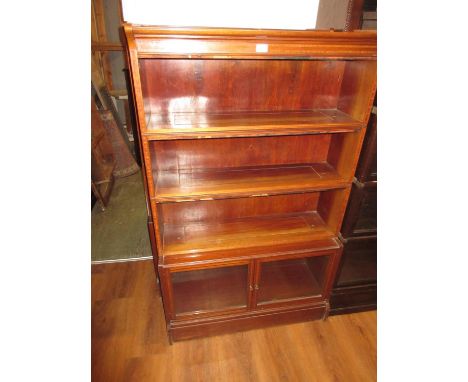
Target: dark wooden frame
{"x": 358, "y": 193}
{"x": 359, "y": 295}
{"x": 364, "y": 172}
{"x": 355, "y": 295}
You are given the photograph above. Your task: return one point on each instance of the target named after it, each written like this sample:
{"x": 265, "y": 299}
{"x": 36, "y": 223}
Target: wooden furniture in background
{"x": 99, "y": 43}
{"x": 102, "y": 159}
{"x": 355, "y": 287}
{"x": 108, "y": 63}
{"x": 250, "y": 141}
{"x": 339, "y": 14}
{"x": 123, "y": 152}
{"x": 347, "y": 15}
{"x": 369, "y": 15}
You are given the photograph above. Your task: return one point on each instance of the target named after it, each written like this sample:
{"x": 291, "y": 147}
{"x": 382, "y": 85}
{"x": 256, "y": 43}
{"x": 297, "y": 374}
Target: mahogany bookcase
{"x": 250, "y": 140}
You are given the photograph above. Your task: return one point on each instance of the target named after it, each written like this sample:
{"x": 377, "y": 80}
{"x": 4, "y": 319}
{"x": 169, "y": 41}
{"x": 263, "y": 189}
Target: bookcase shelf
{"x": 245, "y": 226}
{"x": 184, "y": 125}
{"x": 249, "y": 156}
{"x": 243, "y": 233}
{"x": 197, "y": 169}
{"x": 239, "y": 182}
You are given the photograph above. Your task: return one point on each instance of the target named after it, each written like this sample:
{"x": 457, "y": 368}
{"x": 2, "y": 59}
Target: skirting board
{"x": 121, "y": 260}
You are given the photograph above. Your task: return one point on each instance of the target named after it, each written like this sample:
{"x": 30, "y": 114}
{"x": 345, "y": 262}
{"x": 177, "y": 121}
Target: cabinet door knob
{"x": 256, "y": 286}
{"x": 251, "y": 288}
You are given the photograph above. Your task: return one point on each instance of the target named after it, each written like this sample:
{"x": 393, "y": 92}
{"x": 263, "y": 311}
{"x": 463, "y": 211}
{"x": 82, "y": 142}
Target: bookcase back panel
{"x": 178, "y": 85}
{"x": 229, "y": 209}
{"x": 174, "y": 155}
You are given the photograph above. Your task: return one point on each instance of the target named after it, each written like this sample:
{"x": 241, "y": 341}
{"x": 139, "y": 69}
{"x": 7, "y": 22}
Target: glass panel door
{"x": 210, "y": 289}
{"x": 288, "y": 279}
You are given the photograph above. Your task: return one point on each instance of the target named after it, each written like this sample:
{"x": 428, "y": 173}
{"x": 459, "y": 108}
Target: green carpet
{"x": 120, "y": 231}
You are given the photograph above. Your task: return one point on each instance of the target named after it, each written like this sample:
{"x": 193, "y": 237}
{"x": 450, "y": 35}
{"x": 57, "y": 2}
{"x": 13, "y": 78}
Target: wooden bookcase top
{"x": 163, "y": 41}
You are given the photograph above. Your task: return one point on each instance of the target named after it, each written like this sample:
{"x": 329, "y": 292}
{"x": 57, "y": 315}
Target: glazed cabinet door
{"x": 220, "y": 288}
{"x": 292, "y": 280}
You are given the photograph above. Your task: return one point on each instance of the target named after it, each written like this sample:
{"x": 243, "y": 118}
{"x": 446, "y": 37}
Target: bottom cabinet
{"x": 227, "y": 296}
{"x": 215, "y": 289}
{"x": 289, "y": 280}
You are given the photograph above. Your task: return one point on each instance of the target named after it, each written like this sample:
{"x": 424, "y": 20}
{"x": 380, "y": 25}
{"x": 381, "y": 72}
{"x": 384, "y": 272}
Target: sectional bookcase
{"x": 250, "y": 140}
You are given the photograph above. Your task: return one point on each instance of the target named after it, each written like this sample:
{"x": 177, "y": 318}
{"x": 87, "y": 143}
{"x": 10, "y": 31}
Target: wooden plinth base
{"x": 184, "y": 330}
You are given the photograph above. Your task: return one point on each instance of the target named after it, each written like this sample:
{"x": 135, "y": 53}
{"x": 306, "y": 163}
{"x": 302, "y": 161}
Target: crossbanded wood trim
{"x": 303, "y": 49}
{"x": 231, "y": 43}
{"x": 320, "y": 246}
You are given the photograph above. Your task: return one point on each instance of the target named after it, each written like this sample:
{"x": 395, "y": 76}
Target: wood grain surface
{"x": 186, "y": 125}
{"x": 237, "y": 182}
{"x": 280, "y": 112}
{"x": 129, "y": 341}
{"x": 243, "y": 233}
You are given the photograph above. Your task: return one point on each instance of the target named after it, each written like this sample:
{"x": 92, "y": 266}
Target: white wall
{"x": 285, "y": 14}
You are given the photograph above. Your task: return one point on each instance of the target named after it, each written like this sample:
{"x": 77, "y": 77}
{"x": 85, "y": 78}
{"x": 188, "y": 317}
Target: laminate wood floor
{"x": 129, "y": 341}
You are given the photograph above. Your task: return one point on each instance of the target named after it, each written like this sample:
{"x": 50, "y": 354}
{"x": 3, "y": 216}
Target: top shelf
{"x": 185, "y": 125}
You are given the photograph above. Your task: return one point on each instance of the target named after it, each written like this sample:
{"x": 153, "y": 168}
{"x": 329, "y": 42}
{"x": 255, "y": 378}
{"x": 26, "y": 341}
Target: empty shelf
{"x": 245, "y": 124}
{"x": 195, "y": 237}
{"x": 237, "y": 182}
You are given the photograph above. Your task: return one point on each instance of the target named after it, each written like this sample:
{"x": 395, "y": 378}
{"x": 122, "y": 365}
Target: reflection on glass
{"x": 210, "y": 289}
{"x": 290, "y": 279}
{"x": 189, "y": 111}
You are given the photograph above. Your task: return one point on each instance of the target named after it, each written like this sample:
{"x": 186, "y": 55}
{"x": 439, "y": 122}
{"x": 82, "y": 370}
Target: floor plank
{"x": 129, "y": 341}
